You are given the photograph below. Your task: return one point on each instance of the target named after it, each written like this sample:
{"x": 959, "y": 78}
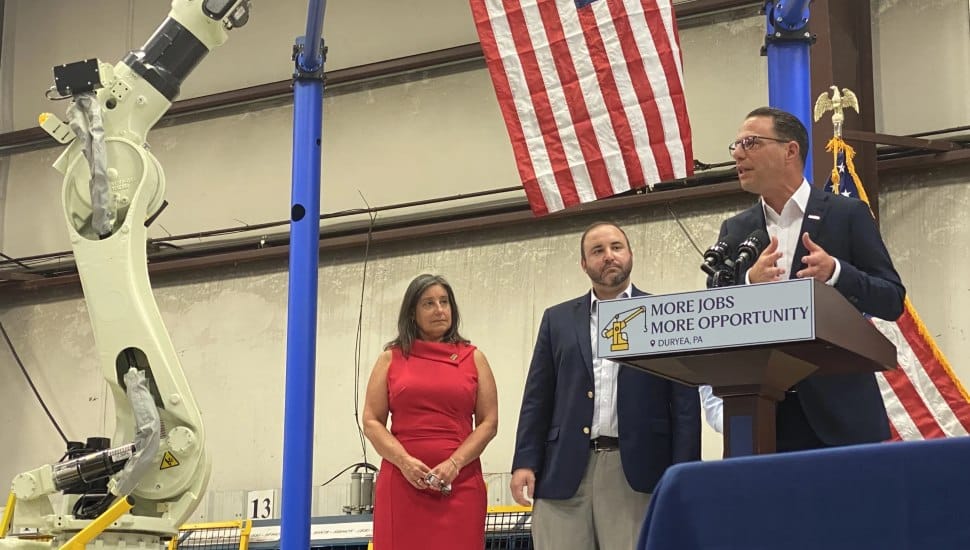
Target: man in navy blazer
{"x": 594, "y": 437}
{"x": 825, "y": 236}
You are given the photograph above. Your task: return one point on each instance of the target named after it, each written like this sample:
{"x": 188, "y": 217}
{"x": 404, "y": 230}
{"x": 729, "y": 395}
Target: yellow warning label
{"x": 168, "y": 461}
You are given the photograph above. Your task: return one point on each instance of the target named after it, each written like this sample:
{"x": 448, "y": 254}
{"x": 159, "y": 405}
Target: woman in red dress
{"x": 430, "y": 491}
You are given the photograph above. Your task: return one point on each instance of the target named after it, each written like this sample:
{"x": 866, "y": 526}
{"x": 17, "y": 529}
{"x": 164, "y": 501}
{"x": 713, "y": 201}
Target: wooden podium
{"x": 752, "y": 378}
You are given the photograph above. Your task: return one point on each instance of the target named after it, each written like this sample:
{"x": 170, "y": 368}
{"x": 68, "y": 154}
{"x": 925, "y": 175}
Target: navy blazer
{"x": 658, "y": 420}
{"x": 844, "y": 409}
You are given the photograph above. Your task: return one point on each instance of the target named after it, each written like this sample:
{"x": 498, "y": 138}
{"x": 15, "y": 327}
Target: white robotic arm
{"x": 131, "y": 97}
{"x": 113, "y": 186}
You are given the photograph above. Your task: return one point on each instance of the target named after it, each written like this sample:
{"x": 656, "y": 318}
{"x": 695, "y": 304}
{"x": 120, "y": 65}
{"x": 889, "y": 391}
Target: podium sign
{"x": 750, "y": 343}
{"x": 717, "y": 318}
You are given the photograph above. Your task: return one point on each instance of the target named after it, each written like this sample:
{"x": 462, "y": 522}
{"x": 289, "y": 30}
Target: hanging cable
{"x": 684, "y": 229}
{"x": 356, "y": 467}
{"x": 31, "y": 383}
{"x": 360, "y": 322}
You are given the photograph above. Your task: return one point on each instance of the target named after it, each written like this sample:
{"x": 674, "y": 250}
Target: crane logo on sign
{"x": 707, "y": 319}
{"x": 615, "y": 329}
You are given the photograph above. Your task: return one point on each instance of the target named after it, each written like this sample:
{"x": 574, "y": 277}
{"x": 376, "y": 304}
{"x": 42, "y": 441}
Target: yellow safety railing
{"x": 507, "y": 526}
{"x": 244, "y": 528}
{"x": 99, "y": 524}
{"x": 201, "y": 531}
{"x": 515, "y": 508}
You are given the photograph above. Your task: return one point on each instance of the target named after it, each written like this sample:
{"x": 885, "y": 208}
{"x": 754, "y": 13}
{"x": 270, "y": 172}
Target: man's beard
{"x": 614, "y": 278}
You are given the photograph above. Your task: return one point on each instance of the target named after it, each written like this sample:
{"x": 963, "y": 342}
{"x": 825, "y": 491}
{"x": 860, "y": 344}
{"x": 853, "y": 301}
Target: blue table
{"x": 885, "y": 496}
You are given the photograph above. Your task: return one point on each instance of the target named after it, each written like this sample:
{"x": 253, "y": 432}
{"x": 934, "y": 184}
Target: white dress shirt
{"x": 604, "y": 378}
{"x": 786, "y": 226}
{"x": 713, "y": 408}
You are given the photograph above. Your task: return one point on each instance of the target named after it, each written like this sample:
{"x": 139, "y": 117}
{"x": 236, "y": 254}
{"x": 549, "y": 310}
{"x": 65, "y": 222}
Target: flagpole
{"x": 787, "y": 44}
{"x": 923, "y": 397}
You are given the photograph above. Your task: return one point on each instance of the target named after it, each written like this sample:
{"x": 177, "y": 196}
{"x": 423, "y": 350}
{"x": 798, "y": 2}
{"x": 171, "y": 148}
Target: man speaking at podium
{"x": 819, "y": 235}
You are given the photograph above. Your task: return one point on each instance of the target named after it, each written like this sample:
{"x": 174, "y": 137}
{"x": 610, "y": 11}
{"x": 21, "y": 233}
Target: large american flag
{"x": 923, "y": 396}
{"x": 591, "y": 92}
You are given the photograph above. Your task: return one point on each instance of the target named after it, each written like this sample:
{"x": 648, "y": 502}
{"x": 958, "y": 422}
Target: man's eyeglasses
{"x": 748, "y": 142}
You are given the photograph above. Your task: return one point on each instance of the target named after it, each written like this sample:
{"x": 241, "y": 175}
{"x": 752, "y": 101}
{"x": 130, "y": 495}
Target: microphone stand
{"x": 723, "y": 277}
{"x": 740, "y": 268}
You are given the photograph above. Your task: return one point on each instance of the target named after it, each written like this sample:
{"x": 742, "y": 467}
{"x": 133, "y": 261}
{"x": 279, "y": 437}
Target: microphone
{"x": 750, "y": 249}
{"x": 719, "y": 255}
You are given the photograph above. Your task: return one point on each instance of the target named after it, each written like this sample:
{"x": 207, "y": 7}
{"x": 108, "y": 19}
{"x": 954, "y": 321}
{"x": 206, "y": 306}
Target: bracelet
{"x": 457, "y": 467}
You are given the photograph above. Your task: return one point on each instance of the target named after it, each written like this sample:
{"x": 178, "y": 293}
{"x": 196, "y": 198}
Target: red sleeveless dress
{"x": 432, "y": 396}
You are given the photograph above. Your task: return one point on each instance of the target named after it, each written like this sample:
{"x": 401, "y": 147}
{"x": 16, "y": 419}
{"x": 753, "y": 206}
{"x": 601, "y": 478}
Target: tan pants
{"x": 604, "y": 514}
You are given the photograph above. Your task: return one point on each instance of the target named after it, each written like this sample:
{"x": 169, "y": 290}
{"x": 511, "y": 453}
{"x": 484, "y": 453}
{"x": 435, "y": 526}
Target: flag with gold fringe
{"x": 923, "y": 397}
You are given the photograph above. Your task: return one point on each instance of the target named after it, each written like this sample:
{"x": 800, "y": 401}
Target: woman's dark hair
{"x": 407, "y": 328}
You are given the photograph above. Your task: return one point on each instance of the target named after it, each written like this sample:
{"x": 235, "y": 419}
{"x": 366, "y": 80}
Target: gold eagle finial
{"x": 837, "y": 104}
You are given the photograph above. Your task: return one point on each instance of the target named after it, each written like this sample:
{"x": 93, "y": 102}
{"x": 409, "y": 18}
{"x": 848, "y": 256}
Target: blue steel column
{"x": 301, "y": 328}
{"x": 789, "y": 63}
